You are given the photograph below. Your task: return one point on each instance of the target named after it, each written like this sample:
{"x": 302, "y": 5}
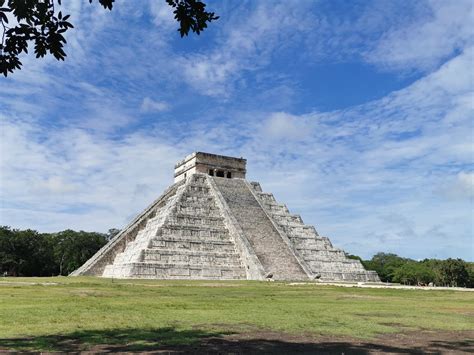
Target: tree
{"x": 414, "y": 273}
{"x": 385, "y": 264}
{"x": 470, "y": 271}
{"x": 454, "y": 272}
{"x": 29, "y": 253}
{"x": 40, "y": 22}
{"x": 71, "y": 249}
{"x": 24, "y": 253}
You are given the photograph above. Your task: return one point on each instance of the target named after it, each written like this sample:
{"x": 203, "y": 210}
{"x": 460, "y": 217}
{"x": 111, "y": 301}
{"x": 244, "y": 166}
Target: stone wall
{"x": 200, "y": 162}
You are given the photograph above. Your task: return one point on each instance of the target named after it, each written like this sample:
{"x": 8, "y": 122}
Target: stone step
{"x": 174, "y": 271}
{"x": 309, "y": 243}
{"x": 301, "y": 229}
{"x": 335, "y": 265}
{"x": 192, "y": 231}
{"x": 192, "y": 244}
{"x": 311, "y": 254}
{"x": 197, "y": 199}
{"x": 225, "y": 239}
{"x": 193, "y": 216}
{"x": 202, "y": 258}
{"x": 289, "y": 219}
{"x": 198, "y": 209}
{"x": 314, "y": 252}
{"x": 266, "y": 197}
{"x": 276, "y": 208}
{"x": 256, "y": 186}
{"x": 364, "y": 276}
{"x": 192, "y": 207}
{"x": 190, "y": 220}
{"x": 198, "y": 187}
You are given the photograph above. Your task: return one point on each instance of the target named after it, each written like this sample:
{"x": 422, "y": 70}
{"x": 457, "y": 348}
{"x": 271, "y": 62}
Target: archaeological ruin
{"x": 214, "y": 224}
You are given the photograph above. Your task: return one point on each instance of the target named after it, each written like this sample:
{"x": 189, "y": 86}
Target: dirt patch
{"x": 270, "y": 342}
{"x": 281, "y": 343}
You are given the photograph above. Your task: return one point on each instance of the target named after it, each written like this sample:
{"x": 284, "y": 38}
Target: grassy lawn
{"x": 138, "y": 313}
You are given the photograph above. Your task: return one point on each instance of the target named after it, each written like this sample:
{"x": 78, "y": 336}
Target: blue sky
{"x": 356, "y": 114}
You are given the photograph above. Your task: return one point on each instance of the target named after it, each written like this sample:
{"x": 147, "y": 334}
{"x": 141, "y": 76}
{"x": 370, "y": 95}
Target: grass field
{"x": 143, "y": 315}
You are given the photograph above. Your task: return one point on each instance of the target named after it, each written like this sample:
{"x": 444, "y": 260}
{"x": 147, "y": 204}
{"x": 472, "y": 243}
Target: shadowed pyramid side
{"x": 324, "y": 261}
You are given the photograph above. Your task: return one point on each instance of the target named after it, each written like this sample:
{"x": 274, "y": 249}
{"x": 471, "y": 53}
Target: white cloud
{"x": 459, "y": 187}
{"x": 281, "y": 125}
{"x": 246, "y": 43}
{"x": 163, "y": 15}
{"x": 429, "y": 40}
{"x": 149, "y": 105}
{"x": 54, "y": 184}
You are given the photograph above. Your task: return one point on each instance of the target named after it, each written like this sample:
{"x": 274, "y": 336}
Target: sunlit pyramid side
{"x": 214, "y": 224}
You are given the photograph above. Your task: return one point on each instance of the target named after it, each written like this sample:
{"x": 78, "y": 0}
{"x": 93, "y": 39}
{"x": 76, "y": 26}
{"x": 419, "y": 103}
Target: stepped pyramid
{"x": 213, "y": 224}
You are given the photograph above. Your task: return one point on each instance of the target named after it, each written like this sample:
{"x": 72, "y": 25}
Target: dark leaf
{"x": 3, "y": 17}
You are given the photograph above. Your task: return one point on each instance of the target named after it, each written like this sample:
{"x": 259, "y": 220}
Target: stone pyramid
{"x": 213, "y": 224}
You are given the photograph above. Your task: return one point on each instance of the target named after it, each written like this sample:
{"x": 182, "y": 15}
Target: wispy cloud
{"x": 149, "y": 105}
{"x": 445, "y": 29}
{"x": 246, "y": 43}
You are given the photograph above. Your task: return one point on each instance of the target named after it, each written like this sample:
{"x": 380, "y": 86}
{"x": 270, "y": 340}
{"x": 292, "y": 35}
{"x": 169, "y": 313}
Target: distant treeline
{"x": 30, "y": 253}
{"x": 393, "y": 268}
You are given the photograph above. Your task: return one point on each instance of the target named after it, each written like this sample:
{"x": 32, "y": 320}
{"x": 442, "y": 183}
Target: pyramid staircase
{"x": 278, "y": 261}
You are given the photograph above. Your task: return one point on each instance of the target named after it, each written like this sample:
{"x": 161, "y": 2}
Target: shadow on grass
{"x": 205, "y": 342}
{"x": 111, "y": 340}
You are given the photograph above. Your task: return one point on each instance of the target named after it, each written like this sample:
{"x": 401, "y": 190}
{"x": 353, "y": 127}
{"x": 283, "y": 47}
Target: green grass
{"x": 139, "y": 313}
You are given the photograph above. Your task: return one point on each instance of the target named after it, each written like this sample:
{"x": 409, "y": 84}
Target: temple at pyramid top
{"x": 211, "y": 164}
{"x": 212, "y": 223}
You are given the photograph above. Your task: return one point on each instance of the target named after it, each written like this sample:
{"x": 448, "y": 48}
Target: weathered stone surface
{"x": 210, "y": 227}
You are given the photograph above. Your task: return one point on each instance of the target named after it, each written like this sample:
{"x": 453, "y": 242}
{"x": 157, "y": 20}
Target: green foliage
{"x": 413, "y": 273}
{"x": 25, "y": 253}
{"x": 40, "y": 23}
{"x": 72, "y": 249}
{"x": 386, "y": 265}
{"x": 29, "y": 253}
{"x": 454, "y": 273}
{"x": 393, "y": 268}
{"x": 470, "y": 271}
